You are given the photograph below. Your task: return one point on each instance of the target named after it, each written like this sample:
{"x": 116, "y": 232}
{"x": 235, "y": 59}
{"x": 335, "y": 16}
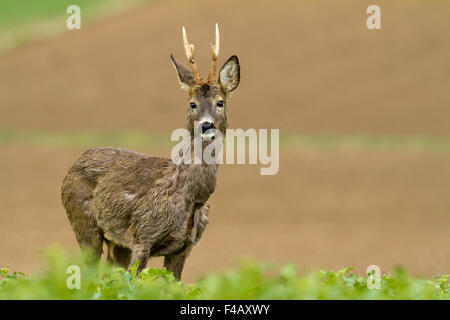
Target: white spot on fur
{"x": 129, "y": 196}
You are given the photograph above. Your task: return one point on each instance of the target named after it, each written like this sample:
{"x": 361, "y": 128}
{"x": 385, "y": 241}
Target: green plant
{"x": 250, "y": 281}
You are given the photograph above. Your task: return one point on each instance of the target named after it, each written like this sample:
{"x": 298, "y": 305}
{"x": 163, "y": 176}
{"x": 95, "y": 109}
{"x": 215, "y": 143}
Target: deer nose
{"x": 206, "y": 126}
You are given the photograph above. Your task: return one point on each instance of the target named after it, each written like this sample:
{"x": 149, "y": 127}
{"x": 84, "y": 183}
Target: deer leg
{"x": 110, "y": 246}
{"x": 89, "y": 235}
{"x": 122, "y": 256}
{"x": 92, "y": 247}
{"x": 140, "y": 253}
{"x": 175, "y": 263}
{"x": 118, "y": 255}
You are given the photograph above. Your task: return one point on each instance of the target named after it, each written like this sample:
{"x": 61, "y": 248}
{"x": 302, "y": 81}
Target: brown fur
{"x": 144, "y": 206}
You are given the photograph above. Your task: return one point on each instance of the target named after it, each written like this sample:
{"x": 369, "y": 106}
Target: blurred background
{"x": 364, "y": 119}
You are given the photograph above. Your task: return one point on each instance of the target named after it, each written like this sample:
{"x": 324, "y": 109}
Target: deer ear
{"x": 185, "y": 76}
{"x": 230, "y": 74}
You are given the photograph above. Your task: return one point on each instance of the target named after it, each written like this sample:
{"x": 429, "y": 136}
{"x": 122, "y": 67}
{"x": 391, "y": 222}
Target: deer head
{"x": 208, "y": 99}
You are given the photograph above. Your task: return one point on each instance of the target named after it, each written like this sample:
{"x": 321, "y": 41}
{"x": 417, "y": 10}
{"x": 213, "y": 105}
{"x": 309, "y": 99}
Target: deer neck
{"x": 199, "y": 179}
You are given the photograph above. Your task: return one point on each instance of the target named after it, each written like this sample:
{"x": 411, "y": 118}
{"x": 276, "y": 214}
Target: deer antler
{"x": 189, "y": 49}
{"x": 215, "y": 54}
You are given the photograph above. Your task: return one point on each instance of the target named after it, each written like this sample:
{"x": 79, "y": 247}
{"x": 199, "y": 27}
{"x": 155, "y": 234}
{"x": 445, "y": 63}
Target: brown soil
{"x": 327, "y": 210}
{"x": 311, "y": 66}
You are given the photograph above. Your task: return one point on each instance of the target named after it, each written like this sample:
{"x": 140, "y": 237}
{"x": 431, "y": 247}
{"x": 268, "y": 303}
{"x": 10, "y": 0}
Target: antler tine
{"x": 189, "y": 49}
{"x": 215, "y": 55}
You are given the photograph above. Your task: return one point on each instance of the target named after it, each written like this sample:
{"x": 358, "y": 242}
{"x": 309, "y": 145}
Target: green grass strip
{"x": 22, "y": 21}
{"x": 142, "y": 140}
{"x": 252, "y": 280}
{"x": 83, "y": 139}
{"x": 366, "y": 142}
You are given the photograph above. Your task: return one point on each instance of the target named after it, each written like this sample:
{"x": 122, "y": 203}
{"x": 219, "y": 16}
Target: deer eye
{"x": 220, "y": 103}
{"x": 193, "y": 105}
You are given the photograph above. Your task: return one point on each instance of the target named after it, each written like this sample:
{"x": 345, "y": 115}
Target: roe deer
{"x": 144, "y": 206}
